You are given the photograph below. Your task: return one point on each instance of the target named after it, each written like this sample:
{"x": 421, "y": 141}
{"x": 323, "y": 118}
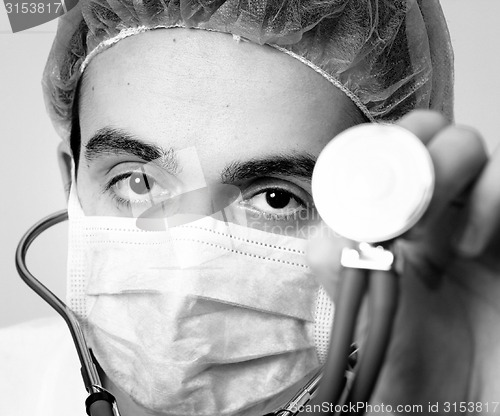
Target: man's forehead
{"x": 206, "y": 56}
{"x": 184, "y": 70}
{"x": 148, "y": 87}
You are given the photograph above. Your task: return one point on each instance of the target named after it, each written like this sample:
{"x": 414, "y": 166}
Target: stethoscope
{"x": 370, "y": 185}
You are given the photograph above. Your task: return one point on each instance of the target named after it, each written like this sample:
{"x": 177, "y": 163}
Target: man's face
{"x": 255, "y": 117}
{"x": 158, "y": 108}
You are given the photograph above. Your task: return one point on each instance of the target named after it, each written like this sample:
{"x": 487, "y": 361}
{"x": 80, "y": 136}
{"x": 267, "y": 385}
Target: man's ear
{"x": 65, "y": 164}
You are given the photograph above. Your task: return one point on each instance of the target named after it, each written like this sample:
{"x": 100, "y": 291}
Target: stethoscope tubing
{"x": 382, "y": 290}
{"x": 352, "y": 287}
{"x": 382, "y": 306}
{"x": 99, "y": 402}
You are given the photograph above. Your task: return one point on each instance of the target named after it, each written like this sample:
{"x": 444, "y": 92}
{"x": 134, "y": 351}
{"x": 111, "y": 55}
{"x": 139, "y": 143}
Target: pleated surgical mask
{"x": 205, "y": 318}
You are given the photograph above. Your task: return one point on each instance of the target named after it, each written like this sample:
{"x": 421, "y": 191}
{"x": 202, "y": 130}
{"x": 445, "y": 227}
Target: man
{"x": 178, "y": 334}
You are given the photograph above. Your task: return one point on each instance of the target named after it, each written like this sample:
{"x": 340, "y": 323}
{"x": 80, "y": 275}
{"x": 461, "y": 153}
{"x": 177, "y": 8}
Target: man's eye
{"x": 276, "y": 204}
{"x": 140, "y": 183}
{"x": 136, "y": 187}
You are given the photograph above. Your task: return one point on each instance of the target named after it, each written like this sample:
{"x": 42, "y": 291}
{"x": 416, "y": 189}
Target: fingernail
{"x": 469, "y": 245}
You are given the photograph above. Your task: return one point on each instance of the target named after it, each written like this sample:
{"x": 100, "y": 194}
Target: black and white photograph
{"x": 250, "y": 207}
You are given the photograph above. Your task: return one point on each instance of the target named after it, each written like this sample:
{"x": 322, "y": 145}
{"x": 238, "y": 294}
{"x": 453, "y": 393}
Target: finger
{"x": 458, "y": 155}
{"x": 484, "y": 210}
{"x": 424, "y": 124}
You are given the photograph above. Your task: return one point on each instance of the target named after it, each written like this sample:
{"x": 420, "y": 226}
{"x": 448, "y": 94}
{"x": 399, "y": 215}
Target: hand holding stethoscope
{"x": 444, "y": 345}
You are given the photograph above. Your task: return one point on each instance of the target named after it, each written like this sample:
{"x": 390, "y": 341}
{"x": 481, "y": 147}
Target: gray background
{"x": 30, "y": 187}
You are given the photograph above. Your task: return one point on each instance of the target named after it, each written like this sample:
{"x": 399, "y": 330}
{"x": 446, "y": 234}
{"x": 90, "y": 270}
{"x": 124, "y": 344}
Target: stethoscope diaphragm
{"x": 373, "y": 182}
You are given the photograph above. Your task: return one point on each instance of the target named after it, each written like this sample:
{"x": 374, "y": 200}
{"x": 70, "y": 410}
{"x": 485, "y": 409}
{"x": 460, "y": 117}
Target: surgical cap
{"x": 388, "y": 56}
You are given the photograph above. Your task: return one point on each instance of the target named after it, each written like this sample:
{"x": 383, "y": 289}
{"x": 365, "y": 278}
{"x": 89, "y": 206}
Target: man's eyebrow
{"x": 110, "y": 141}
{"x": 282, "y": 165}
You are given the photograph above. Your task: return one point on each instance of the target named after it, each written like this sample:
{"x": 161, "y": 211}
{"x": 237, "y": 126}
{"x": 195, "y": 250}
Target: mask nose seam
{"x": 247, "y": 240}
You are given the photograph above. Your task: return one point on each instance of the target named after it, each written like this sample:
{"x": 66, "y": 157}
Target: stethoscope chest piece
{"x": 373, "y": 182}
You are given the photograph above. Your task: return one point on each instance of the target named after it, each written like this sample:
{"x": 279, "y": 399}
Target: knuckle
{"x": 466, "y": 139}
{"x": 428, "y": 116}
{"x": 469, "y": 132}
